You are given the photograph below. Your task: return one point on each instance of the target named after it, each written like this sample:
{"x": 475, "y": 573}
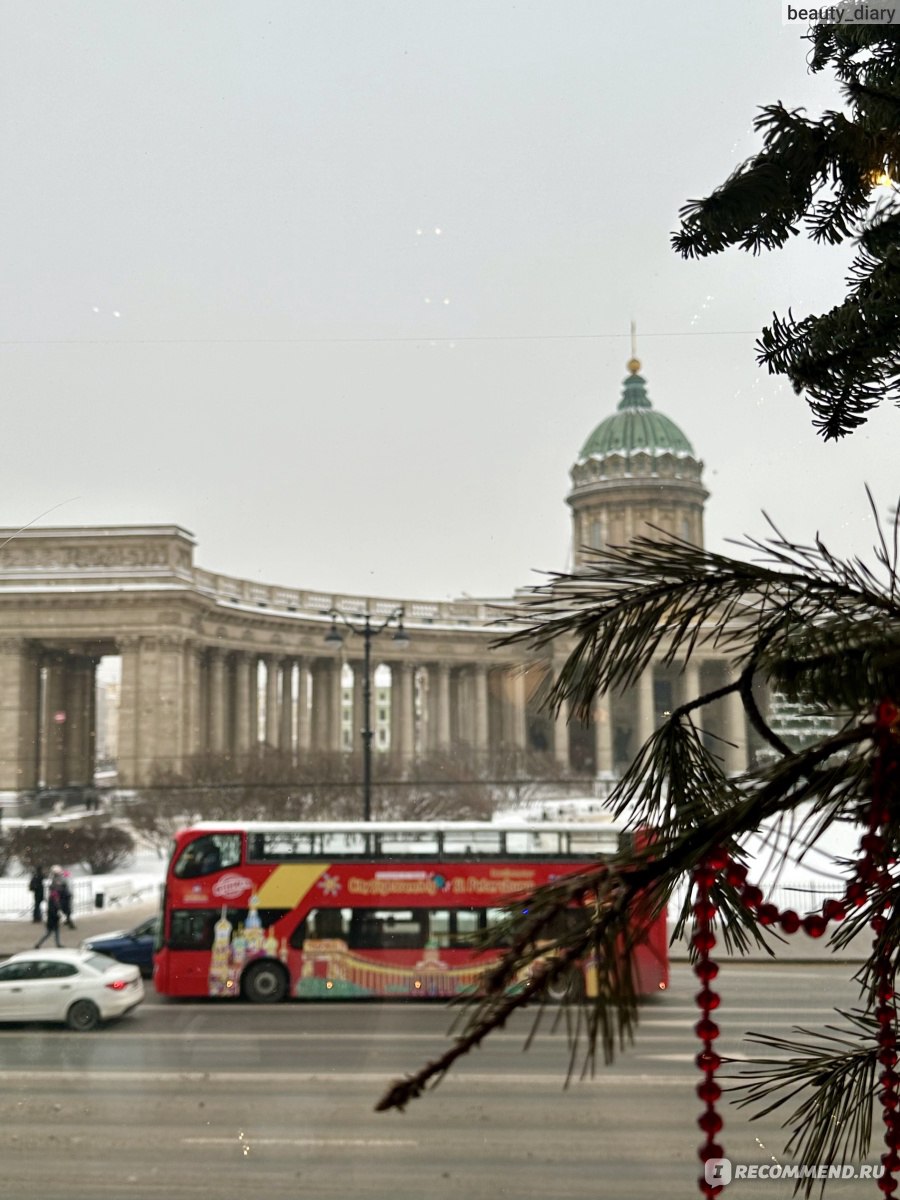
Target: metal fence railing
{"x": 16, "y": 901}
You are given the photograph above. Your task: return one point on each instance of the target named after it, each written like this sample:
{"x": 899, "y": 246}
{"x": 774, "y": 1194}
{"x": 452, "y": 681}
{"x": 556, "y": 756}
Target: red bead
{"x": 710, "y": 1189}
{"x": 833, "y": 910}
{"x": 884, "y": 993}
{"x": 879, "y": 924}
{"x": 708, "y": 1060}
{"x": 886, "y": 1038}
{"x": 708, "y": 1000}
{"x": 707, "y": 1030}
{"x": 856, "y": 893}
{"x": 888, "y": 1099}
{"x": 885, "y": 881}
{"x": 704, "y": 878}
{"x": 885, "y": 1014}
{"x": 710, "y": 1150}
{"x": 887, "y": 1184}
{"x": 767, "y": 914}
{"x": 717, "y": 860}
{"x": 814, "y": 925}
{"x": 887, "y": 1056}
{"x": 710, "y": 1121}
{"x": 736, "y": 874}
{"x": 706, "y": 971}
{"x": 790, "y": 921}
{"x": 751, "y": 896}
{"x": 709, "y": 1091}
{"x": 705, "y": 910}
{"x": 703, "y": 941}
{"x": 872, "y": 842}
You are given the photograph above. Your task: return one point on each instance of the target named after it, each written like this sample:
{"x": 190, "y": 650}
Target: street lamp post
{"x": 367, "y": 631}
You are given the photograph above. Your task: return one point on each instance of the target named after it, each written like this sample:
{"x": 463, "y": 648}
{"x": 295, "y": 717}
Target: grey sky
{"x": 218, "y": 308}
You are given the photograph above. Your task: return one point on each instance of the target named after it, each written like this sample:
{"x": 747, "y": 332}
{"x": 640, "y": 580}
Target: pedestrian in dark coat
{"x": 65, "y": 898}
{"x": 53, "y": 915}
{"x": 36, "y": 887}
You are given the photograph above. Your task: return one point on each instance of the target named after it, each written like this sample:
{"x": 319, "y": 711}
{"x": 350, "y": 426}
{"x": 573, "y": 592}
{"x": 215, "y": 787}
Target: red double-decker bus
{"x": 387, "y": 909}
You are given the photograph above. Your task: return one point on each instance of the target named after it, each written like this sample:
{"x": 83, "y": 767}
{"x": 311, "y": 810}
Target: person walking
{"x": 53, "y": 914}
{"x": 36, "y": 887}
{"x": 65, "y": 895}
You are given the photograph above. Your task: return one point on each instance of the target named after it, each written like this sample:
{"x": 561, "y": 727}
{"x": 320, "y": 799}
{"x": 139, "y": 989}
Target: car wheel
{"x": 264, "y": 983}
{"x": 83, "y": 1016}
{"x": 567, "y": 988}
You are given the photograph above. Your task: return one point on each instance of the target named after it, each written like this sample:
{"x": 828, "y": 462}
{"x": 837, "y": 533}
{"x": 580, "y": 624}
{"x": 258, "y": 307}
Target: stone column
{"x": 303, "y": 714}
{"x": 242, "y": 732}
{"x": 561, "y": 737}
{"x": 151, "y": 713}
{"x": 442, "y": 707}
{"x": 335, "y": 704}
{"x": 603, "y": 740}
{"x": 253, "y": 703}
{"x": 19, "y": 715}
{"x": 272, "y": 668}
{"x": 80, "y": 721}
{"x": 519, "y": 725}
{"x": 480, "y": 709}
{"x": 129, "y": 721}
{"x": 55, "y": 719}
{"x": 318, "y": 717}
{"x": 690, "y": 690}
{"x": 356, "y": 723}
{"x": 645, "y": 715}
{"x": 735, "y": 724}
{"x": 218, "y": 711}
{"x": 286, "y": 725}
{"x": 169, "y": 747}
{"x": 402, "y": 712}
{"x": 192, "y": 700}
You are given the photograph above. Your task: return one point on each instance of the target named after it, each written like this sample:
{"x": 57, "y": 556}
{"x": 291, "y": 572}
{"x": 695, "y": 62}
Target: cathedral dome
{"x": 637, "y": 475}
{"x": 635, "y": 426}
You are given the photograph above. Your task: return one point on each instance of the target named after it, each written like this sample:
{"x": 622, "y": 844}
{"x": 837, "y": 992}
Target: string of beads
{"x": 871, "y": 882}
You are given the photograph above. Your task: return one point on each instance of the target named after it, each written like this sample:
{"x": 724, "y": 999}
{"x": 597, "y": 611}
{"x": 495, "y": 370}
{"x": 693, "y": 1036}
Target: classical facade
{"x": 214, "y": 664}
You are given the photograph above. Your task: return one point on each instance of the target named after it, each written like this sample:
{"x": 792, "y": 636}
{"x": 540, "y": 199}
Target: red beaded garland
{"x": 871, "y": 876}
{"x": 703, "y": 941}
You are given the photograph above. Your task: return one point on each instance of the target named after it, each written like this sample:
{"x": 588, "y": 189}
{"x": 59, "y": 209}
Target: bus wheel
{"x": 264, "y": 983}
{"x": 567, "y": 988}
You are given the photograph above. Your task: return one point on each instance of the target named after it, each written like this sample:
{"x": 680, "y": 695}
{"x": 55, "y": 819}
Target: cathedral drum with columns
{"x": 211, "y": 664}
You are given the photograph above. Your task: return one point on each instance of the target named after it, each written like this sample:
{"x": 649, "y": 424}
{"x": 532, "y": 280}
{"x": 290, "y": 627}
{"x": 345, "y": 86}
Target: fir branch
{"x": 831, "y": 1076}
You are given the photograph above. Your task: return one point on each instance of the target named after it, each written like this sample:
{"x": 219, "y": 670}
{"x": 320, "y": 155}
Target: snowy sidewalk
{"x": 21, "y": 935}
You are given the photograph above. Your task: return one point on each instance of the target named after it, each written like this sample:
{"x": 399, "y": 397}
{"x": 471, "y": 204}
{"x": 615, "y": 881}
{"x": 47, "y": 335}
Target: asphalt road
{"x": 202, "y": 1100}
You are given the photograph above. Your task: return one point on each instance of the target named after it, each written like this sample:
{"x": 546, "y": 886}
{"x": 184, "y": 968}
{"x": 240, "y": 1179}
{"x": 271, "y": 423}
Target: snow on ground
{"x": 141, "y": 880}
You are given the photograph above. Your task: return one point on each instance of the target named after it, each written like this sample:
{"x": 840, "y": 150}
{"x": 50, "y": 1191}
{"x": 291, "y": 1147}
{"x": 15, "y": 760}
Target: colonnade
{"x": 181, "y": 697}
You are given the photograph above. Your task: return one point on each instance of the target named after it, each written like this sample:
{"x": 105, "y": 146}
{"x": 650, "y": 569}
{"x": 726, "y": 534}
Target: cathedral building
{"x": 211, "y": 664}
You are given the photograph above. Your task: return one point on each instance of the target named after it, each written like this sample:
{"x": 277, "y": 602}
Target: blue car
{"x": 133, "y": 946}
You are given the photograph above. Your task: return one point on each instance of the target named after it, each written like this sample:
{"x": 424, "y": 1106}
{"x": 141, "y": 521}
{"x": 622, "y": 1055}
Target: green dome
{"x": 635, "y": 426}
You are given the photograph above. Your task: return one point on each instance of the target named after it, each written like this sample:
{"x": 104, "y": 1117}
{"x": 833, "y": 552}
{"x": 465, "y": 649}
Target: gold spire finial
{"x": 634, "y": 363}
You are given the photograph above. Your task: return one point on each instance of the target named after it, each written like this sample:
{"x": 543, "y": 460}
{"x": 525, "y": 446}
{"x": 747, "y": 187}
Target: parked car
{"x": 133, "y": 946}
{"x": 78, "y": 987}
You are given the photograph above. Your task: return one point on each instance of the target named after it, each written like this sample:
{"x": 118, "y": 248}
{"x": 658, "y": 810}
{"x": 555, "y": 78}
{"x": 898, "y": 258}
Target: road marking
{"x": 353, "y": 1078}
{"x": 250, "y": 1140}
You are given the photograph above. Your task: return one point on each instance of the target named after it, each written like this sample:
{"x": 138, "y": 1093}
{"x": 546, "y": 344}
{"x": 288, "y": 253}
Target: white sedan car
{"x": 79, "y": 987}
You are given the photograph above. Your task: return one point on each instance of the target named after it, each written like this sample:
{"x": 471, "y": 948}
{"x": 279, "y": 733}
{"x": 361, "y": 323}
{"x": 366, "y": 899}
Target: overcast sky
{"x": 342, "y": 287}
